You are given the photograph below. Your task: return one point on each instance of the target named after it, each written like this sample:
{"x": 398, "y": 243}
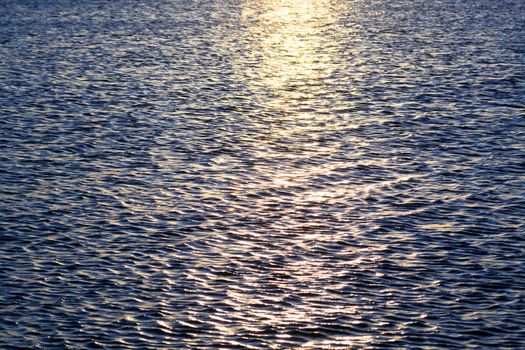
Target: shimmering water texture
{"x": 262, "y": 174}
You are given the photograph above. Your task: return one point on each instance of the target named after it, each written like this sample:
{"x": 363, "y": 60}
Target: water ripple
{"x": 262, "y": 174}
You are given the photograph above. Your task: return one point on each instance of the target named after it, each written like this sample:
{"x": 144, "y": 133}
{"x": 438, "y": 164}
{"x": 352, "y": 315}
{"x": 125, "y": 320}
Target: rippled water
{"x": 262, "y": 174}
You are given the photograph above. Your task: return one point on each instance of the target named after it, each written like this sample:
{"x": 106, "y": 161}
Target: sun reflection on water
{"x": 293, "y": 63}
{"x": 280, "y": 241}
{"x": 295, "y": 59}
{"x": 293, "y": 54}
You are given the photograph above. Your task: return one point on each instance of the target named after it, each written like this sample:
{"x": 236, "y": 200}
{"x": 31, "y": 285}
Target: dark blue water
{"x": 267, "y": 174}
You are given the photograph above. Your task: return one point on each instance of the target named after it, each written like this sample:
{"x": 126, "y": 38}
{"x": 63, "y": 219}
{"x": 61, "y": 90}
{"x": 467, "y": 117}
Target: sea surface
{"x": 262, "y": 174}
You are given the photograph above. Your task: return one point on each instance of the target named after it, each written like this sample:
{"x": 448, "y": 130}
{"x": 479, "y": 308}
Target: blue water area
{"x": 262, "y": 174}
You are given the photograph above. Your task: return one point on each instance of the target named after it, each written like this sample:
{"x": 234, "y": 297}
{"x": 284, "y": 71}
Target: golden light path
{"x": 294, "y": 60}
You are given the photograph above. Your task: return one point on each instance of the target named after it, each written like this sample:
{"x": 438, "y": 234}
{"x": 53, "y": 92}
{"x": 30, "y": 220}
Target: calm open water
{"x": 262, "y": 174}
